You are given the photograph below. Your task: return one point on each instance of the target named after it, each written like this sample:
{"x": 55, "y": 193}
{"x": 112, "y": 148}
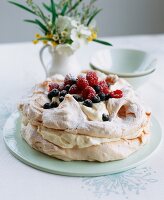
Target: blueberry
{"x": 54, "y": 105}
{"x": 107, "y": 96}
{"x": 53, "y": 93}
{"x": 96, "y": 99}
{"x": 47, "y": 106}
{"x": 102, "y": 96}
{"x": 61, "y": 98}
{"x": 67, "y": 87}
{"x": 97, "y": 88}
{"x": 88, "y": 103}
{"x": 78, "y": 98}
{"x": 105, "y": 117}
{"x": 63, "y": 93}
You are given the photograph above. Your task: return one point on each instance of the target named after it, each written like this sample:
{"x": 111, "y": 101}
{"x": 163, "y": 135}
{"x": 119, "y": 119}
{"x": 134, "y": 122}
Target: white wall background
{"x": 119, "y": 17}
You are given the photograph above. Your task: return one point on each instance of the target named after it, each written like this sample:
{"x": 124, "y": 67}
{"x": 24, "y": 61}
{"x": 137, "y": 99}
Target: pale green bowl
{"x": 133, "y": 65}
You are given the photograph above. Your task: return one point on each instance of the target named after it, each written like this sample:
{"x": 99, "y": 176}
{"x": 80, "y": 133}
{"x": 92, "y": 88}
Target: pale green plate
{"x": 21, "y": 150}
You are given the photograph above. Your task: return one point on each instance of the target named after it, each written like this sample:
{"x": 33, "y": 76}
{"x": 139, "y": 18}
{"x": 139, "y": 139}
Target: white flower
{"x": 63, "y": 23}
{"x": 80, "y": 34}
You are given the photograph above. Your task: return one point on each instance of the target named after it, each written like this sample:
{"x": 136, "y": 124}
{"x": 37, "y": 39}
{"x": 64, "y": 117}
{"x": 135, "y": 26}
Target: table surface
{"x": 20, "y": 69}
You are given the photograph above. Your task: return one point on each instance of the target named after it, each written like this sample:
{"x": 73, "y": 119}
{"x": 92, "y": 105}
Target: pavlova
{"x": 91, "y": 117}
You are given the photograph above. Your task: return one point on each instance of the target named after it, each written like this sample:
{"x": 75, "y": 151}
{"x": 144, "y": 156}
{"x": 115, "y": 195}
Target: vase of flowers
{"x": 66, "y": 25}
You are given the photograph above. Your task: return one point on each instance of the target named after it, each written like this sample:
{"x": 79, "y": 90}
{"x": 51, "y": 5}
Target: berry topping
{"x": 69, "y": 80}
{"x": 63, "y": 93}
{"x": 104, "y": 87}
{"x": 52, "y": 86}
{"x": 61, "y": 87}
{"x": 105, "y": 117}
{"x": 96, "y": 99}
{"x": 78, "y": 98}
{"x": 107, "y": 96}
{"x": 116, "y": 94}
{"x": 82, "y": 83}
{"x": 47, "y": 106}
{"x": 87, "y": 103}
{"x": 92, "y": 78}
{"x": 67, "y": 87}
{"x": 54, "y": 105}
{"x": 53, "y": 93}
{"x": 97, "y": 88}
{"x": 102, "y": 96}
{"x": 88, "y": 93}
{"x": 61, "y": 98}
{"x": 73, "y": 89}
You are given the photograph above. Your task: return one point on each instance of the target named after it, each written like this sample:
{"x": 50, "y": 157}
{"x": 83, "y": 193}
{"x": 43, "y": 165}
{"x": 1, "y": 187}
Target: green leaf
{"x": 44, "y": 38}
{"x": 74, "y": 6}
{"x": 102, "y": 42}
{"x": 47, "y": 7}
{"x": 64, "y": 9}
{"x": 42, "y": 26}
{"x": 53, "y": 9}
{"x": 30, "y": 21}
{"x": 93, "y": 16}
{"x": 23, "y": 7}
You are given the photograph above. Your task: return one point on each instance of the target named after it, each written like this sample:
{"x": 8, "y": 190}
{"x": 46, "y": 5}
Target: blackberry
{"x": 78, "y": 98}
{"x": 54, "y": 105}
{"x": 88, "y": 103}
{"x": 47, "y": 106}
{"x": 102, "y": 96}
{"x": 105, "y": 117}
{"x": 63, "y": 93}
{"x": 97, "y": 88}
{"x": 107, "y": 96}
{"x": 96, "y": 99}
{"x": 67, "y": 87}
{"x": 61, "y": 98}
{"x": 53, "y": 93}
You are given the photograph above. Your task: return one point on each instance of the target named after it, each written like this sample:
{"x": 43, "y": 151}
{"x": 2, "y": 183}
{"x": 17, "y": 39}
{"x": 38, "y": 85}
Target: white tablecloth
{"x": 20, "y": 68}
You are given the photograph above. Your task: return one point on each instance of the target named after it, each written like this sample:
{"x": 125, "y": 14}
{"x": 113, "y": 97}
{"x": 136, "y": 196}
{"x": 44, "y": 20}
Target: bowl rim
{"x": 122, "y": 76}
{"x": 142, "y": 73}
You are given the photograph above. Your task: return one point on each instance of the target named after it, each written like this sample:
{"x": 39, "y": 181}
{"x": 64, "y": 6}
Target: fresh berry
{"x": 63, "y": 93}
{"x": 116, "y": 94}
{"x": 78, "y": 98}
{"x": 97, "y": 88}
{"x": 103, "y": 87}
{"x": 52, "y": 86}
{"x": 107, "y": 96}
{"x": 69, "y": 80}
{"x": 105, "y": 117}
{"x": 102, "y": 96}
{"x": 92, "y": 78}
{"x": 61, "y": 98}
{"x": 88, "y": 93}
{"x": 47, "y": 106}
{"x": 54, "y": 105}
{"x": 88, "y": 103}
{"x": 67, "y": 87}
{"x": 96, "y": 99}
{"x": 61, "y": 87}
{"x": 82, "y": 82}
{"x": 53, "y": 93}
{"x": 73, "y": 89}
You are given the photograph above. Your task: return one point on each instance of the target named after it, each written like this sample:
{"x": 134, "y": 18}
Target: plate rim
{"x": 77, "y": 174}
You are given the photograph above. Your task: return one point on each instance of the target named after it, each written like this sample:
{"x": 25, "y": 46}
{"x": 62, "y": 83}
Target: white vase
{"x": 59, "y": 64}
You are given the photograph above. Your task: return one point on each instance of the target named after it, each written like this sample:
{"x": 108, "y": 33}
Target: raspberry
{"x": 116, "y": 94}
{"x": 88, "y": 93}
{"x": 82, "y": 83}
{"x": 73, "y": 89}
{"x": 103, "y": 87}
{"x": 69, "y": 80}
{"x": 92, "y": 78}
{"x": 52, "y": 86}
